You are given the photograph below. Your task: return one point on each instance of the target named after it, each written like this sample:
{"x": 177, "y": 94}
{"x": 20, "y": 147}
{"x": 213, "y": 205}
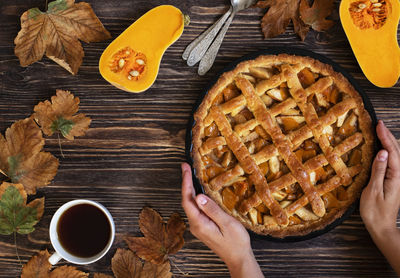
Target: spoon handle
{"x": 208, "y": 59}
{"x": 195, "y": 51}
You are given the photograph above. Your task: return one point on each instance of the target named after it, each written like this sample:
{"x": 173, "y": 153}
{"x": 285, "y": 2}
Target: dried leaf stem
{"x": 16, "y": 249}
{"x": 59, "y": 145}
{"x": 185, "y": 274}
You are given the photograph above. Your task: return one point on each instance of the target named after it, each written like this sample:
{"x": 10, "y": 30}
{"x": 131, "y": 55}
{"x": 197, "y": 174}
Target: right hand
{"x": 380, "y": 200}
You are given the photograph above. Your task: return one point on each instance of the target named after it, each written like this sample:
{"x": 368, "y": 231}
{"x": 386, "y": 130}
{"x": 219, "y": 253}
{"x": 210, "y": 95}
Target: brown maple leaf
{"x": 39, "y": 266}
{"x": 56, "y": 33}
{"x": 160, "y": 239}
{"x": 278, "y": 16}
{"x": 22, "y": 158}
{"x": 125, "y": 264}
{"x": 59, "y": 116}
{"x": 316, "y": 15}
{"x": 281, "y": 12}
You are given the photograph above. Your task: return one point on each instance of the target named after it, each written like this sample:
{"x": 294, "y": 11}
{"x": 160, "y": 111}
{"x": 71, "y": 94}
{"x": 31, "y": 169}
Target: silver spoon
{"x": 196, "y": 49}
{"x": 209, "y": 57}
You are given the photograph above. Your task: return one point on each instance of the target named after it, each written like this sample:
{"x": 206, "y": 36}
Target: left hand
{"x": 219, "y": 231}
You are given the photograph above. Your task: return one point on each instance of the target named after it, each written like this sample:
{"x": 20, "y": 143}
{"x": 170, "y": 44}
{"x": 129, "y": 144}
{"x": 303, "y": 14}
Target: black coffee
{"x": 83, "y": 230}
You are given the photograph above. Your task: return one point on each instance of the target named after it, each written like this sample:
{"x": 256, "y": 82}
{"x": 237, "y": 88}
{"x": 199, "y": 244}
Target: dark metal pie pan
{"x": 274, "y": 51}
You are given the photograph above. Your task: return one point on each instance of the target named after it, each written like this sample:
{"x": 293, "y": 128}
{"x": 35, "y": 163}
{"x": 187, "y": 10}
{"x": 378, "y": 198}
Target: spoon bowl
{"x": 208, "y": 59}
{"x": 239, "y": 5}
{"x": 205, "y": 47}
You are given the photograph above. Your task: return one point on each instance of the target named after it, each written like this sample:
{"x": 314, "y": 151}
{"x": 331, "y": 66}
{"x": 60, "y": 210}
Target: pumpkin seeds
{"x": 362, "y": 6}
{"x": 134, "y": 73}
{"x": 140, "y": 61}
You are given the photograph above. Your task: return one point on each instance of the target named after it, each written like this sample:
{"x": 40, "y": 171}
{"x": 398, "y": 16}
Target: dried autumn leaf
{"x": 58, "y": 116}
{"x": 300, "y": 28}
{"x": 16, "y": 216}
{"x": 125, "y": 264}
{"x": 281, "y": 12}
{"x": 39, "y": 266}
{"x": 278, "y": 16}
{"x": 21, "y": 158}
{"x": 160, "y": 239}
{"x": 153, "y": 270}
{"x": 56, "y": 33}
{"x": 316, "y": 15}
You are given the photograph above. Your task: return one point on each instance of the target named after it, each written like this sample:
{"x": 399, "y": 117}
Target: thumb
{"x": 379, "y": 170}
{"x": 213, "y": 211}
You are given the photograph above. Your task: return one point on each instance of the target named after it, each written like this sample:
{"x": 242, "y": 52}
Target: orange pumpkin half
{"x": 131, "y": 62}
{"x": 371, "y": 28}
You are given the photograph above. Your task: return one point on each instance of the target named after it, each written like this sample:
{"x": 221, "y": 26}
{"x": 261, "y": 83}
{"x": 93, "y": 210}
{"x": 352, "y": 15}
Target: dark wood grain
{"x": 130, "y": 157}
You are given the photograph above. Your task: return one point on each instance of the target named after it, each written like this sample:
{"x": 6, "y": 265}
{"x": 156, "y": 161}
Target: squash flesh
{"x": 376, "y": 50}
{"x": 151, "y": 35}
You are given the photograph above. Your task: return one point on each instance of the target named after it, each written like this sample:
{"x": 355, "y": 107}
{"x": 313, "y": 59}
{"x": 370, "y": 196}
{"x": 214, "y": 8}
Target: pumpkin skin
{"x": 150, "y": 35}
{"x": 376, "y": 49}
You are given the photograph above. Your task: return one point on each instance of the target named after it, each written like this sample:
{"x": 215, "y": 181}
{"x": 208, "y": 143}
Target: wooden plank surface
{"x": 130, "y": 157}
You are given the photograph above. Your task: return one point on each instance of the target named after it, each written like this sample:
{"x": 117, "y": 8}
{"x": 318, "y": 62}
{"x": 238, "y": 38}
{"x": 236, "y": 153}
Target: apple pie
{"x": 283, "y": 143}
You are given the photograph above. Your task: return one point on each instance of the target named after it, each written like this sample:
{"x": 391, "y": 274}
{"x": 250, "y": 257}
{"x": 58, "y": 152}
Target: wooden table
{"x": 130, "y": 156}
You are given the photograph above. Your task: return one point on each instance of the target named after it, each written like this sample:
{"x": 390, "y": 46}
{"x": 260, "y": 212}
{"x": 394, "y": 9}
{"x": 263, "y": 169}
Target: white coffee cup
{"x": 60, "y": 252}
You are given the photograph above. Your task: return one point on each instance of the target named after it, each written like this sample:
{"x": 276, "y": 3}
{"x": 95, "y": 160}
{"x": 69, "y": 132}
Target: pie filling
{"x": 281, "y": 145}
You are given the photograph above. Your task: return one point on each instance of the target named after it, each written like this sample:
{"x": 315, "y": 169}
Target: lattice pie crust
{"x": 283, "y": 143}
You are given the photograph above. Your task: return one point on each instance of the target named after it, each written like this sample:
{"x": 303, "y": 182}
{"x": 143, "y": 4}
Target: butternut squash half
{"x": 131, "y": 62}
{"x": 371, "y": 28}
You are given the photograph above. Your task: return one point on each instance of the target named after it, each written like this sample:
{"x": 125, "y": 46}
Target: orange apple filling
{"x": 229, "y": 198}
{"x": 256, "y": 138}
{"x": 306, "y": 77}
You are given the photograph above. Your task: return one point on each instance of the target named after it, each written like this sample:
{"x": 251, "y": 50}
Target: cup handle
{"x": 55, "y": 258}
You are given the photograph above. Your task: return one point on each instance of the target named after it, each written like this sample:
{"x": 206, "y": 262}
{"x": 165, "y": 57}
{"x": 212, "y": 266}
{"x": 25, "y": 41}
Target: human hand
{"x": 380, "y": 200}
{"x": 219, "y": 231}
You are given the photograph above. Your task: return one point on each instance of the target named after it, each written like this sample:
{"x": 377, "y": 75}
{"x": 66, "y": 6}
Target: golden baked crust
{"x": 276, "y": 132}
